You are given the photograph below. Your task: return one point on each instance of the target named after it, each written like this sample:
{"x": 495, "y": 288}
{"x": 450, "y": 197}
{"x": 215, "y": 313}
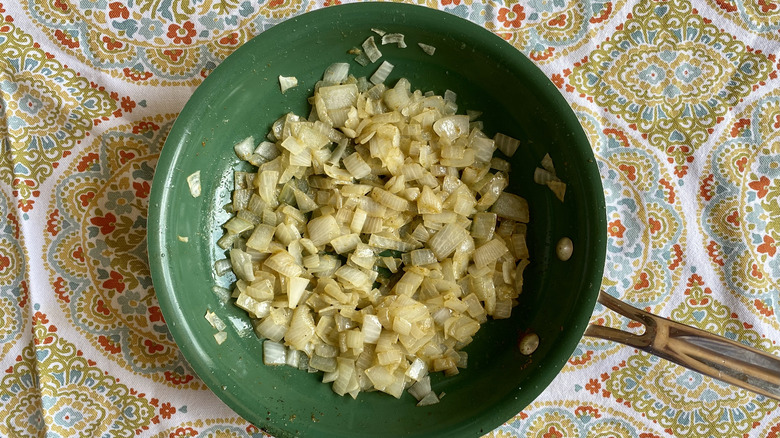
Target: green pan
{"x": 242, "y": 97}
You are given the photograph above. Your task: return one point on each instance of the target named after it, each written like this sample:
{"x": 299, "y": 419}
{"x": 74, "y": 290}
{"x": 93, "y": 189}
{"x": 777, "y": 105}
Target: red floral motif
{"x": 144, "y": 126}
{"x": 655, "y": 225}
{"x": 177, "y": 379}
{"x": 768, "y": 247}
{"x": 117, "y": 10}
{"x": 110, "y": 346}
{"x": 155, "y": 314}
{"x": 593, "y": 386}
{"x": 643, "y": 282}
{"x": 231, "y": 39}
{"x": 183, "y": 432}
{"x": 739, "y": 127}
{"x": 111, "y": 44}
{"x": 706, "y": 190}
{"x": 127, "y": 104}
{"x": 559, "y": 21}
{"x": 125, "y": 156}
{"x": 450, "y": 2}
{"x": 763, "y": 308}
{"x": 553, "y": 432}
{"x": 616, "y": 229}
{"x": 760, "y": 186}
{"x": 153, "y": 347}
{"x": 512, "y": 17}
{"x": 582, "y": 359}
{"x": 106, "y": 222}
{"x": 5, "y": 262}
{"x": 166, "y": 410}
{"x": 173, "y": 54}
{"x": 629, "y": 170}
{"x": 142, "y": 189}
{"x": 115, "y": 281}
{"x": 102, "y": 308}
{"x": 60, "y": 290}
{"x": 182, "y": 34}
{"x": 605, "y": 12}
{"x": 86, "y": 198}
{"x": 136, "y": 75}
{"x": 587, "y": 410}
{"x": 713, "y": 250}
{"x": 65, "y": 39}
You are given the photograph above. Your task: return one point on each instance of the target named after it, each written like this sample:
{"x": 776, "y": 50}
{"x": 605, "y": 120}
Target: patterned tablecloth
{"x": 679, "y": 99}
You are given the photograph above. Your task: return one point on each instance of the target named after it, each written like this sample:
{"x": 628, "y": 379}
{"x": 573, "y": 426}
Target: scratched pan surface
{"x": 241, "y": 98}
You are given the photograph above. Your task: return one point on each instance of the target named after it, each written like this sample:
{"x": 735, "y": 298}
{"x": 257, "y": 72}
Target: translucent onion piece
{"x": 427, "y": 48}
{"x": 506, "y": 144}
{"x": 193, "y": 181}
{"x": 370, "y": 49}
{"x": 287, "y": 82}
{"x": 381, "y": 73}
{"x": 394, "y": 38}
{"x": 336, "y": 73}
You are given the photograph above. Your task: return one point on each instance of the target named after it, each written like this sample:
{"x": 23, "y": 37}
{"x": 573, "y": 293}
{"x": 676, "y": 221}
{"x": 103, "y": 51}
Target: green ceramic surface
{"x": 241, "y": 98}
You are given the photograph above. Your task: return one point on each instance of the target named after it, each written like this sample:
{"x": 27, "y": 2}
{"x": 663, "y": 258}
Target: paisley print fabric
{"x": 678, "y": 99}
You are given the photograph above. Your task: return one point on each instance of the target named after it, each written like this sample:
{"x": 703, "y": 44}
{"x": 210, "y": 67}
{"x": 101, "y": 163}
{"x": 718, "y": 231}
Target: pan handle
{"x": 696, "y": 349}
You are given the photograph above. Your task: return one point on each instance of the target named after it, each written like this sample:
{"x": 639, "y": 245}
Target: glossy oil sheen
{"x": 241, "y": 98}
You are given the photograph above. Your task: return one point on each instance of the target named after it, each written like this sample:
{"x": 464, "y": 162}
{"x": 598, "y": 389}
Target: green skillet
{"x": 242, "y": 97}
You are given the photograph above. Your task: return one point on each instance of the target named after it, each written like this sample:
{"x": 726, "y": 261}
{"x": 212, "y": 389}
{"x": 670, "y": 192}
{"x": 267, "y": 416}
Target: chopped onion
{"x": 336, "y": 73}
{"x": 381, "y": 73}
{"x": 274, "y": 353}
{"x": 427, "y": 48}
{"x": 506, "y": 144}
{"x": 287, "y": 82}
{"x": 394, "y": 38}
{"x": 370, "y": 50}
{"x": 220, "y": 337}
{"x": 377, "y": 179}
{"x": 193, "y": 181}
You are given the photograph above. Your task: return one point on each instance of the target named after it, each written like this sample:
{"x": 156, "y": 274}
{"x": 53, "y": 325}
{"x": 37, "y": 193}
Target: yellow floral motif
{"x": 670, "y": 75}
{"x": 98, "y": 249}
{"x": 49, "y": 110}
{"x": 235, "y": 427}
{"x": 51, "y": 379}
{"x": 684, "y": 402}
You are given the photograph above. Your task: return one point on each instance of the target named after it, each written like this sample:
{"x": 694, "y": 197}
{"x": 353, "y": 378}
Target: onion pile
{"x": 375, "y": 237}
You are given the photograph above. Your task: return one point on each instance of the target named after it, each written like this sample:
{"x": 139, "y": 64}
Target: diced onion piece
{"x": 451, "y": 127}
{"x": 183, "y": 239}
{"x": 444, "y": 242}
{"x": 245, "y": 148}
{"x": 296, "y": 286}
{"x": 543, "y": 176}
{"x": 193, "y": 181}
{"x": 370, "y": 49}
{"x": 274, "y": 353}
{"x": 379, "y": 32}
{"x": 506, "y": 144}
{"x": 558, "y": 188}
{"x": 287, "y": 82}
{"x": 427, "y": 48}
{"x": 394, "y": 38}
{"x": 381, "y": 73}
{"x": 489, "y": 253}
{"x": 511, "y": 206}
{"x": 547, "y": 164}
{"x": 220, "y": 337}
{"x": 357, "y": 166}
{"x": 429, "y": 399}
{"x": 336, "y": 73}
{"x": 215, "y": 321}
{"x": 242, "y": 264}
{"x": 323, "y": 229}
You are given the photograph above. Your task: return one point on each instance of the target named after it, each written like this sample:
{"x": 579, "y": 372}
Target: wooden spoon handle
{"x": 695, "y": 349}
